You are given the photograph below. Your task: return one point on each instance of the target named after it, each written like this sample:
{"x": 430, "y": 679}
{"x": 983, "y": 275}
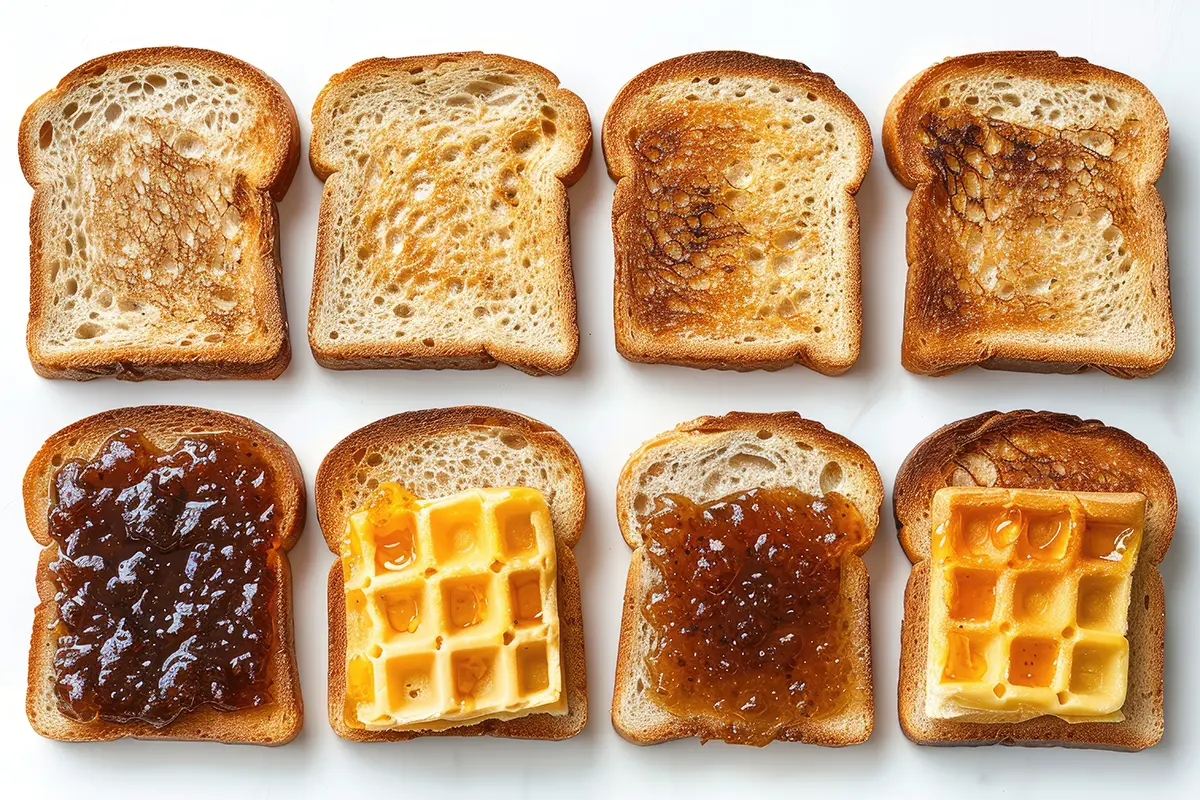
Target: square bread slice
{"x": 274, "y": 723}
{"x": 443, "y": 239}
{"x": 438, "y": 452}
{"x": 1036, "y": 238}
{"x": 1037, "y": 450}
{"x": 735, "y": 228}
{"x": 154, "y": 235}
{"x": 709, "y": 458}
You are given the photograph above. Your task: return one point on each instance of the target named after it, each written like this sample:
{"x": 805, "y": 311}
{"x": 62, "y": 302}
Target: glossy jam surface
{"x": 749, "y": 623}
{"x": 164, "y": 586}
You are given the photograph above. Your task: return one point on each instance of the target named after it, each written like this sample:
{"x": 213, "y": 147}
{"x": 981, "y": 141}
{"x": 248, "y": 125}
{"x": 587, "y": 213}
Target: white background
{"x": 606, "y": 406}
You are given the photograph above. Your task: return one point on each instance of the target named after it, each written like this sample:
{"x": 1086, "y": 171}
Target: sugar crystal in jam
{"x": 749, "y": 624}
{"x": 164, "y": 587}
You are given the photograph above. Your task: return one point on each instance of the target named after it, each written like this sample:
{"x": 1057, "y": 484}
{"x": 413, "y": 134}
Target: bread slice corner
{"x": 706, "y": 459}
{"x": 735, "y": 228}
{"x": 488, "y": 447}
{"x": 274, "y": 723}
{"x": 1037, "y": 450}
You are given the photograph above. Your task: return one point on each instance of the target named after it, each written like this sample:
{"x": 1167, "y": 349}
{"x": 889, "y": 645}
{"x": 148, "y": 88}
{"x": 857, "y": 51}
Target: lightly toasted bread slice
{"x": 735, "y": 228}
{"x": 274, "y": 723}
{"x": 1037, "y": 450}
{"x": 1036, "y": 238}
{"x": 443, "y": 239}
{"x": 154, "y": 246}
{"x": 438, "y": 452}
{"x": 709, "y": 458}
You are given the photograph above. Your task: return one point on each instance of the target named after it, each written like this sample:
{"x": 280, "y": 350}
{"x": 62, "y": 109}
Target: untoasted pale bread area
{"x": 1035, "y": 233}
{"x": 153, "y": 229}
{"x": 438, "y": 452}
{"x": 272, "y": 724}
{"x": 704, "y": 460}
{"x": 444, "y": 220}
{"x": 1037, "y": 450}
{"x": 734, "y": 223}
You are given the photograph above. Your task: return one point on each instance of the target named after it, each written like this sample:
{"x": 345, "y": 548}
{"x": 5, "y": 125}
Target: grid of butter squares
{"x": 1029, "y": 598}
{"x": 452, "y": 613}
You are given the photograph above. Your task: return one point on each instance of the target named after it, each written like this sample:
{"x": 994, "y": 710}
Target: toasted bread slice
{"x": 443, "y": 238}
{"x": 709, "y": 458}
{"x": 734, "y": 222}
{"x": 275, "y": 723}
{"x": 438, "y": 452}
{"x": 1037, "y": 450}
{"x": 1036, "y": 238}
{"x": 154, "y": 234}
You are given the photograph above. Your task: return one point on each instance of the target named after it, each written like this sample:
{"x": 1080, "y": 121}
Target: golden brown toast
{"x": 274, "y": 723}
{"x": 709, "y": 458}
{"x": 154, "y": 249}
{"x": 1036, "y": 238}
{"x": 443, "y": 239}
{"x": 438, "y": 452}
{"x": 1037, "y": 450}
{"x": 735, "y": 228}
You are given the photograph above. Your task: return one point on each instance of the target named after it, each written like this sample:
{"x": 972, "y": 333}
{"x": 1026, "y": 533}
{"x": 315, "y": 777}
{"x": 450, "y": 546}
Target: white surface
{"x": 606, "y": 406}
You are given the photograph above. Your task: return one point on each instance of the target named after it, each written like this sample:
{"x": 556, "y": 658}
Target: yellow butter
{"x": 1028, "y": 604}
{"x": 451, "y": 610}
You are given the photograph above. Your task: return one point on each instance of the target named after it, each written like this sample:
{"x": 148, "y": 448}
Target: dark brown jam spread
{"x": 164, "y": 585}
{"x": 748, "y": 623}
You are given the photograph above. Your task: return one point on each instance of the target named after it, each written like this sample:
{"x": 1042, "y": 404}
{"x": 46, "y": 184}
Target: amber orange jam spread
{"x": 749, "y": 625}
{"x": 164, "y": 586}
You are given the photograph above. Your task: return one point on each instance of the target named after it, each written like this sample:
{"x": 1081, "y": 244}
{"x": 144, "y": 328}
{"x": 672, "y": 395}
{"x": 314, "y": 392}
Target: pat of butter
{"x": 1028, "y": 604}
{"x": 451, "y": 610}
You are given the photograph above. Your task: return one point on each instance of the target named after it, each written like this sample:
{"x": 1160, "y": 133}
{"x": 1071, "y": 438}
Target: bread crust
{"x": 1037, "y": 450}
{"x": 445, "y": 354}
{"x": 163, "y": 361}
{"x": 647, "y": 347}
{"x": 337, "y": 475}
{"x": 851, "y": 725}
{"x": 273, "y": 724}
{"x": 927, "y": 349}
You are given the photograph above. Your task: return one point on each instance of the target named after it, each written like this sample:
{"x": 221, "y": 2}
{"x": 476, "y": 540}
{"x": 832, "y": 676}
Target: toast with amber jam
{"x": 1037, "y": 450}
{"x": 272, "y": 723}
{"x": 714, "y": 457}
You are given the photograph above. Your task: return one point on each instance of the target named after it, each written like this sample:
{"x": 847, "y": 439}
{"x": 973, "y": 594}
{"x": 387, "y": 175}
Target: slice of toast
{"x": 274, "y": 723}
{"x": 1036, "y": 238}
{"x": 443, "y": 238}
{"x": 735, "y": 227}
{"x": 438, "y": 452}
{"x": 1037, "y": 450}
{"x": 154, "y": 236}
{"x": 709, "y": 458}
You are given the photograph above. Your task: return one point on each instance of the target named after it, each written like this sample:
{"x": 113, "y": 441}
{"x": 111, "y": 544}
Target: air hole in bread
{"x": 831, "y": 477}
{"x": 745, "y": 461}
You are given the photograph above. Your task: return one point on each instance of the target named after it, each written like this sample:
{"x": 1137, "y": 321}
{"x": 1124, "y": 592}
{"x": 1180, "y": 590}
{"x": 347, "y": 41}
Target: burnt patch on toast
{"x": 1028, "y": 215}
{"x": 702, "y": 239}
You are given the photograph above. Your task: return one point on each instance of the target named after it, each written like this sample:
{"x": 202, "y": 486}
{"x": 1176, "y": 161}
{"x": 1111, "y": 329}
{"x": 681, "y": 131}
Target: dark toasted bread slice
{"x": 1036, "y": 238}
{"x": 274, "y": 723}
{"x": 1037, "y": 450}
{"x": 735, "y": 227}
{"x": 438, "y": 452}
{"x": 443, "y": 240}
{"x": 154, "y": 234}
{"x": 709, "y": 458}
